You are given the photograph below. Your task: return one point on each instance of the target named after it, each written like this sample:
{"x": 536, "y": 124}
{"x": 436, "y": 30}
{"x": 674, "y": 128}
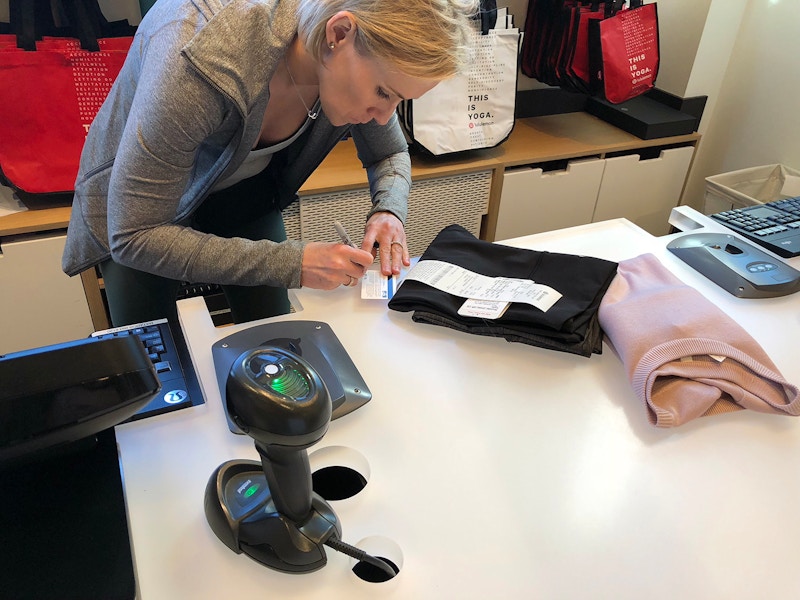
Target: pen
{"x": 343, "y": 234}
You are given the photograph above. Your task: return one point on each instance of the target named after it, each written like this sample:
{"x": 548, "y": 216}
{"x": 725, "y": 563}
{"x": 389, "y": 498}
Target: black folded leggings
{"x": 238, "y": 211}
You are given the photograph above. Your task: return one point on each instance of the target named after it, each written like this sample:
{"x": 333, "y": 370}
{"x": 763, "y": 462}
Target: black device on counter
{"x": 61, "y": 393}
{"x": 736, "y": 265}
{"x": 269, "y": 511}
{"x": 63, "y": 522}
{"x": 774, "y": 225}
{"x": 315, "y": 342}
{"x": 167, "y": 350}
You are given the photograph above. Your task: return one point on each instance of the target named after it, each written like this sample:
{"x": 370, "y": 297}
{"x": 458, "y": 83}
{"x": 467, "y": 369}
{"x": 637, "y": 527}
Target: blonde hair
{"x": 429, "y": 39}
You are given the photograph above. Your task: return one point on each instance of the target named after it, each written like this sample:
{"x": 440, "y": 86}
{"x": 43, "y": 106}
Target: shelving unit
{"x": 476, "y": 189}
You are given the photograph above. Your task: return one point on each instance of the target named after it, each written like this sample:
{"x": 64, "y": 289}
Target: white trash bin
{"x": 746, "y": 187}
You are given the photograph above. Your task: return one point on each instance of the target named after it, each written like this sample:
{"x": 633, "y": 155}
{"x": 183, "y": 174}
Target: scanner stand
{"x": 240, "y": 509}
{"x": 268, "y": 510}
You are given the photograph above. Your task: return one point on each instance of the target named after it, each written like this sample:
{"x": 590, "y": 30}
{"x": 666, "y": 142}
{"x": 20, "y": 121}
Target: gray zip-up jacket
{"x": 183, "y": 113}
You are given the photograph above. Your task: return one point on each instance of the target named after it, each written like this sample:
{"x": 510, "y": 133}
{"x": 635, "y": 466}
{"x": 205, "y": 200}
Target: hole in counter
{"x": 384, "y": 549}
{"x": 372, "y": 573}
{"x": 337, "y": 483}
{"x": 338, "y": 473}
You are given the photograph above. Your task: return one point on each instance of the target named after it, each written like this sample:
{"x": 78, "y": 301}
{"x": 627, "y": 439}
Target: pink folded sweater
{"x": 686, "y": 358}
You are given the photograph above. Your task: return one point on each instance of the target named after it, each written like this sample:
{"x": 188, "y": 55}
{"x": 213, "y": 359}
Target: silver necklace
{"x": 311, "y": 114}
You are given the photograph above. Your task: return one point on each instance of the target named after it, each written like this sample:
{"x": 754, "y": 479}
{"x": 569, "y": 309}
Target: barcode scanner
{"x": 268, "y": 510}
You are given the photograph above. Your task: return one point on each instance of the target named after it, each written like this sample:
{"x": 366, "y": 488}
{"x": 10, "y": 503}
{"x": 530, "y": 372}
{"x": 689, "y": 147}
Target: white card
{"x": 375, "y": 286}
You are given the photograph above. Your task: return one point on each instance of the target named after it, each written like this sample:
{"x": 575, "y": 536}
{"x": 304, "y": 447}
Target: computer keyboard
{"x": 167, "y": 349}
{"x": 191, "y": 290}
{"x": 214, "y": 298}
{"x": 774, "y": 225}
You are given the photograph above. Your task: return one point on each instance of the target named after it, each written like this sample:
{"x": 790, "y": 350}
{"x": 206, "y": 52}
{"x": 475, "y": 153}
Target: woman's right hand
{"x": 327, "y": 266}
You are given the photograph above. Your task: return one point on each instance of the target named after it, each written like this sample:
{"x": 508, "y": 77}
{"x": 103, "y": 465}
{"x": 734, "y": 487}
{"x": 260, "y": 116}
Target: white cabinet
{"x": 644, "y": 191}
{"x": 39, "y": 304}
{"x": 534, "y": 200}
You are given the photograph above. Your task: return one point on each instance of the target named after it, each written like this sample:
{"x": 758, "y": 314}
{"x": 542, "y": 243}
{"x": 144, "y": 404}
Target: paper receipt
{"x": 467, "y": 284}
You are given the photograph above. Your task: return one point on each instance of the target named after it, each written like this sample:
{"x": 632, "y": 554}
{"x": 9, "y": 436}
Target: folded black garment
{"x": 570, "y": 325}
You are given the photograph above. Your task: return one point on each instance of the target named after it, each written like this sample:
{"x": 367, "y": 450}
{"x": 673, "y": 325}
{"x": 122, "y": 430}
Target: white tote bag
{"x": 472, "y": 110}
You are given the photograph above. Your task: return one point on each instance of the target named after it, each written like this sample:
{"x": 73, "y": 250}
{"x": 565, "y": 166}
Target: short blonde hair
{"x": 429, "y": 39}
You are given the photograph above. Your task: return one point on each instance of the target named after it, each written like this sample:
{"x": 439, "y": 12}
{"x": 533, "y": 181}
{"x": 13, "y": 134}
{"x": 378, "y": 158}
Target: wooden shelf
{"x": 341, "y": 170}
{"x": 572, "y": 135}
{"x": 35, "y": 221}
{"x": 533, "y": 140}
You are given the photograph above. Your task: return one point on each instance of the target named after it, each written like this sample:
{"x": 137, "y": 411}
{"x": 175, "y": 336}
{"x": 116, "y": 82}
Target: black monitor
{"x": 58, "y": 394}
{"x": 63, "y": 526}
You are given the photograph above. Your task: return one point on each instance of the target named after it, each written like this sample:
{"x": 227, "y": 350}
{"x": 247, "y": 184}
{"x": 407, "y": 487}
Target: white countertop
{"x": 499, "y": 470}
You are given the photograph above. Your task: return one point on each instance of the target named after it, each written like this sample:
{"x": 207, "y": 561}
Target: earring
{"x": 331, "y": 45}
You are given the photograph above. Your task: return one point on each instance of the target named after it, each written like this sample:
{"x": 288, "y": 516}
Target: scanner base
{"x": 735, "y": 265}
{"x": 240, "y": 510}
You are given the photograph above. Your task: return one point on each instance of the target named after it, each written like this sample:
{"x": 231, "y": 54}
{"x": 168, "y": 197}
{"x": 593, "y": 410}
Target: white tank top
{"x": 257, "y": 160}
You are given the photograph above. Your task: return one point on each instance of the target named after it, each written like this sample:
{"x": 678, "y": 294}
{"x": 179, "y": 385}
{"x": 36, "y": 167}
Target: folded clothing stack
{"x": 570, "y": 325}
{"x": 685, "y": 357}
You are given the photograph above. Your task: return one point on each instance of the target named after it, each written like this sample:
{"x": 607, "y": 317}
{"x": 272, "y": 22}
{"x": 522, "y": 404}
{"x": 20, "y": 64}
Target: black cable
{"x": 360, "y": 555}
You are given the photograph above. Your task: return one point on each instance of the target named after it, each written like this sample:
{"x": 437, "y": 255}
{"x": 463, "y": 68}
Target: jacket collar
{"x": 259, "y": 31}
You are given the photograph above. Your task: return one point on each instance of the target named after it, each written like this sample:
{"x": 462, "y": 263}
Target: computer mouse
{"x": 736, "y": 265}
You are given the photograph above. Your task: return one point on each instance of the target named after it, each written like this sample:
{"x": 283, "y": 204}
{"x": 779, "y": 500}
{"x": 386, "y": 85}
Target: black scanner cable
{"x": 360, "y": 555}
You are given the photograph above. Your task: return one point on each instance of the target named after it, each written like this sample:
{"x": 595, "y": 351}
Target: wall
{"x": 740, "y": 53}
{"x": 755, "y": 119}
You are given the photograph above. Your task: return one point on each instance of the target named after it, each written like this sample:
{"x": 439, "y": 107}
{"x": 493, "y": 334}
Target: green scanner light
{"x": 291, "y": 383}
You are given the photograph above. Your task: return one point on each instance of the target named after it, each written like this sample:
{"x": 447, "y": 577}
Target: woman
{"x": 220, "y": 113}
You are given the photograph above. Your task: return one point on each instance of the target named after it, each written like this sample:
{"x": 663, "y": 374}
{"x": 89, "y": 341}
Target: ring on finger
{"x": 398, "y": 243}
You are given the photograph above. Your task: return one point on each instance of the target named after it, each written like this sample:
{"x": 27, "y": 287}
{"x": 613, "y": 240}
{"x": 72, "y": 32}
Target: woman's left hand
{"x": 385, "y": 237}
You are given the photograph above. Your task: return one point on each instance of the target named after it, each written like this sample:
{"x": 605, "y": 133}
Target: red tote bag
{"x": 48, "y": 98}
{"x": 578, "y": 62}
{"x": 624, "y": 53}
